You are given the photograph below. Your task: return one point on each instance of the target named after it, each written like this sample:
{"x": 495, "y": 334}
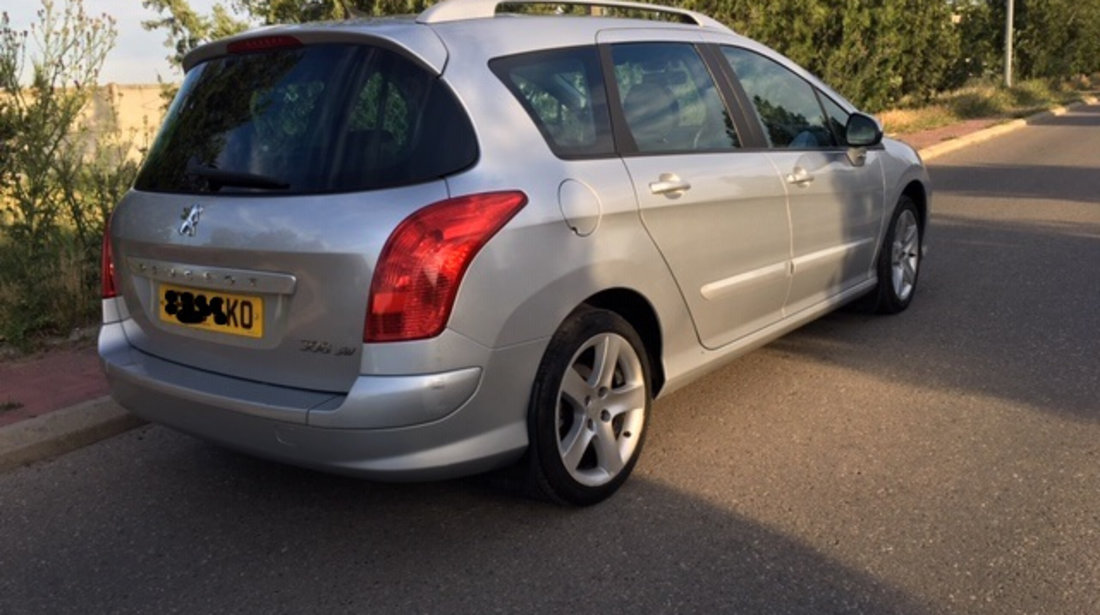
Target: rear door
{"x": 248, "y": 244}
{"x": 717, "y": 212}
{"x": 835, "y": 194}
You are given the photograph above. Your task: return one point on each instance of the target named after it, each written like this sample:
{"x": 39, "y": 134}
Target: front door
{"x": 834, "y": 192}
{"x": 718, "y": 214}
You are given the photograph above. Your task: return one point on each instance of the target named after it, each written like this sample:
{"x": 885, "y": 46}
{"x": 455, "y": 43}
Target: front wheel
{"x": 899, "y": 260}
{"x": 589, "y": 408}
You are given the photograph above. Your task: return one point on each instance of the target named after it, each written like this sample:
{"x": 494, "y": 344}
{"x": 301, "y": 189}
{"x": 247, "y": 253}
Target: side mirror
{"x": 862, "y": 131}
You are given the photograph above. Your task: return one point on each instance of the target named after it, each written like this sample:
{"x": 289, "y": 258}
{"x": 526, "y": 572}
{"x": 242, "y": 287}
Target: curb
{"x": 951, "y": 145}
{"x": 61, "y": 431}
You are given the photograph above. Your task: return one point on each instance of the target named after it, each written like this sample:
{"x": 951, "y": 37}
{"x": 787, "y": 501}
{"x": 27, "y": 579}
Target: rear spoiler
{"x": 406, "y": 37}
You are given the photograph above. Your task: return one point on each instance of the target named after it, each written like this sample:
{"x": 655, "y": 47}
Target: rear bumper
{"x": 416, "y": 427}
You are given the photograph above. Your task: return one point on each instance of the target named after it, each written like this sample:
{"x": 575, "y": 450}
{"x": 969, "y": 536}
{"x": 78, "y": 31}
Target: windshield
{"x": 319, "y": 118}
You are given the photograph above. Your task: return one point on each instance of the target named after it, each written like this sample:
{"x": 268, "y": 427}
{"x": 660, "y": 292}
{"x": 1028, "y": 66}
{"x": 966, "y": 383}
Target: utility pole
{"x": 1009, "y": 18}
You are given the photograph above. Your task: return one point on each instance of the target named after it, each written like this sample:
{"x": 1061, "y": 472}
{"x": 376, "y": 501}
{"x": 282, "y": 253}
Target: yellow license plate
{"x": 212, "y": 310}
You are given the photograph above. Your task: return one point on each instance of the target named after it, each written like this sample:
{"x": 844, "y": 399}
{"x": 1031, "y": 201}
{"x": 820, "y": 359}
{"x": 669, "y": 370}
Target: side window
{"x": 669, "y": 99}
{"x": 838, "y": 118}
{"x": 785, "y": 103}
{"x": 563, "y": 92}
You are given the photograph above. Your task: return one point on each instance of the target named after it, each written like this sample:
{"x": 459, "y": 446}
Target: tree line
{"x": 879, "y": 53}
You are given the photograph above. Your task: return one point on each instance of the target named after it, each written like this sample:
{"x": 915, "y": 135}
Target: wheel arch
{"x": 639, "y": 312}
{"x": 916, "y": 191}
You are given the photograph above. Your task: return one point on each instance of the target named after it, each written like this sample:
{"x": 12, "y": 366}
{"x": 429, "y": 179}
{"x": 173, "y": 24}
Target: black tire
{"x": 602, "y": 440}
{"x": 891, "y": 295}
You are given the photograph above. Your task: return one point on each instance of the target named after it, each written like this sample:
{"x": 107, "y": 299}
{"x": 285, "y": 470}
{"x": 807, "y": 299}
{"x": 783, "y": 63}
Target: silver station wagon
{"x": 430, "y": 246}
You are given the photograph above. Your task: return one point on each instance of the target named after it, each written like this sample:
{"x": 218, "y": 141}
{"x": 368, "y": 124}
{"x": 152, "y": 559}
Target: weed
{"x": 980, "y": 100}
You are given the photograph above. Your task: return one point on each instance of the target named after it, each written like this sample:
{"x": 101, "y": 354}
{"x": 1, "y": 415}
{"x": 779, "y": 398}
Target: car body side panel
{"x": 835, "y": 221}
{"x": 550, "y": 269}
{"x": 683, "y": 368}
{"x": 726, "y": 239}
{"x": 902, "y": 166}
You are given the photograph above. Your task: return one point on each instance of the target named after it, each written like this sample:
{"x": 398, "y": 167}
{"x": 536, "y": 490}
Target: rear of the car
{"x": 281, "y": 276}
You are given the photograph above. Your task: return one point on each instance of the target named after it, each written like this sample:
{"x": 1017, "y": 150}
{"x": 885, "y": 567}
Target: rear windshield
{"x": 313, "y": 119}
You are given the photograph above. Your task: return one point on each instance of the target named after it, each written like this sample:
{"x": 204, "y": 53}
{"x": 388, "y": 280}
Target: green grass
{"x": 985, "y": 100}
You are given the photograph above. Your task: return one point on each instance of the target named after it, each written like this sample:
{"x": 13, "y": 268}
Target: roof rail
{"x": 455, "y": 10}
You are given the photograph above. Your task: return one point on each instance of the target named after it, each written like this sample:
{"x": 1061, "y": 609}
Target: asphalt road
{"x": 943, "y": 460}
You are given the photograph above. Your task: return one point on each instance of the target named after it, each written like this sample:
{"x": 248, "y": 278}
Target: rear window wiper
{"x": 218, "y": 178}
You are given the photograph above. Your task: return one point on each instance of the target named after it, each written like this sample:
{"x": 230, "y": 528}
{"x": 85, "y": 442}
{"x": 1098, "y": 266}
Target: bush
{"x": 60, "y": 179}
{"x": 978, "y": 100}
{"x": 1031, "y": 93}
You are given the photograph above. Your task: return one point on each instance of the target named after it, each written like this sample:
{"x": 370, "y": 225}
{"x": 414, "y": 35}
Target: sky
{"x": 138, "y": 56}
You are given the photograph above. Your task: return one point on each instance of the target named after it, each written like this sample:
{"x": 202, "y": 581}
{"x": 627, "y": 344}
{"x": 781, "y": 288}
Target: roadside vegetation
{"x": 59, "y": 178}
{"x": 987, "y": 100}
{"x": 917, "y": 64}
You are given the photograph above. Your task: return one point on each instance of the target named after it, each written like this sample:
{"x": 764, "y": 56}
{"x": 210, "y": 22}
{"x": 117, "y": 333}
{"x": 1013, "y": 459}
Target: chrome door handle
{"x": 799, "y": 177}
{"x": 669, "y": 183}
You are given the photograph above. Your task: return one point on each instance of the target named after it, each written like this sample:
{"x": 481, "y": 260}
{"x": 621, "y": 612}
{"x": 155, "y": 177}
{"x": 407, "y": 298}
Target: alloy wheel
{"x": 905, "y": 254}
{"x": 601, "y": 409}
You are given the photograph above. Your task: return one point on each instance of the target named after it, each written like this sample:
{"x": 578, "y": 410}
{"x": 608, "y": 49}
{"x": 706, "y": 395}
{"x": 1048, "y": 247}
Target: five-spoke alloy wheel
{"x": 588, "y": 409}
{"x": 899, "y": 260}
{"x": 905, "y": 254}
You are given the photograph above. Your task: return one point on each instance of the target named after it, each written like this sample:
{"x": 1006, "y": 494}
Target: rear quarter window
{"x": 563, "y": 92}
{"x": 314, "y": 119}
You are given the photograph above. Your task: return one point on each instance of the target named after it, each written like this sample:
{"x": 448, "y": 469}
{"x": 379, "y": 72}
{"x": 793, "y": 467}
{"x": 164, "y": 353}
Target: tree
{"x": 71, "y": 49}
{"x": 1054, "y": 39}
{"x": 875, "y": 52}
{"x": 58, "y": 184}
{"x": 188, "y": 29}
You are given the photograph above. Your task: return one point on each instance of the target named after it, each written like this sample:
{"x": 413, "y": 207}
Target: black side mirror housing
{"x": 862, "y": 131}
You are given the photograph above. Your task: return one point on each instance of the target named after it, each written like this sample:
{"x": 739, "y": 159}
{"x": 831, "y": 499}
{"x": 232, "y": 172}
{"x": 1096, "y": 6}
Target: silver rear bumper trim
{"x": 280, "y": 423}
{"x": 379, "y": 402}
{"x": 126, "y": 364}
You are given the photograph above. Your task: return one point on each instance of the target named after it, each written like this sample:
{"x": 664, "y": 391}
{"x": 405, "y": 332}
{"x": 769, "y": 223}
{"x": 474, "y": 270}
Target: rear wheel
{"x": 899, "y": 260}
{"x": 589, "y": 408}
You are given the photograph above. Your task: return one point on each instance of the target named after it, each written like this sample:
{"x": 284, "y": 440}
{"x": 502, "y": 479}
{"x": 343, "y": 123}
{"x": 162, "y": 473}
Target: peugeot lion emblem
{"x": 190, "y": 219}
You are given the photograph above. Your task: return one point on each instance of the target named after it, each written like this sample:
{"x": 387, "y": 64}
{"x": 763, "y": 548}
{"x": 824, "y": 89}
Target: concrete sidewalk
{"x": 49, "y": 381}
{"x": 57, "y": 401}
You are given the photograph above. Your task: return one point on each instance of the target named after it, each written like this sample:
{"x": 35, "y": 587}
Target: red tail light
{"x": 263, "y": 43}
{"x": 423, "y": 261}
{"x": 107, "y": 265}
